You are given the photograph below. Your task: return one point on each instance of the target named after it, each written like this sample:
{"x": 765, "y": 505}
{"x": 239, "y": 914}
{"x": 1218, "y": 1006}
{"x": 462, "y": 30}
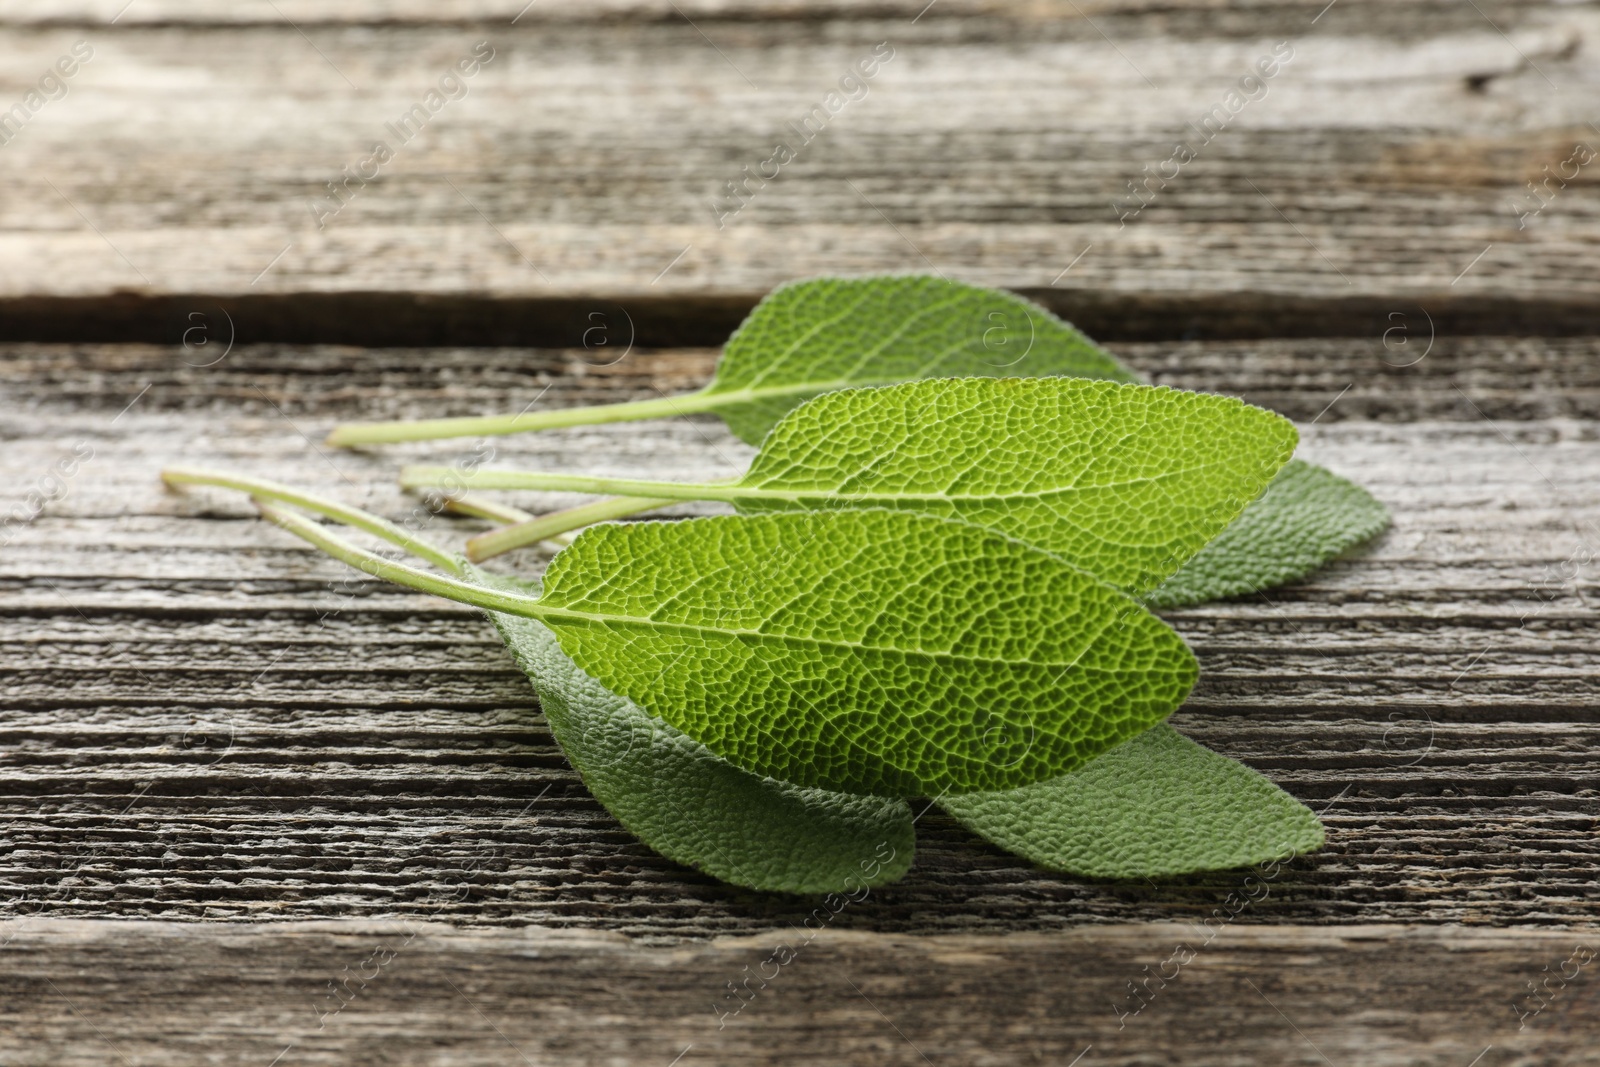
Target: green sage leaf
{"x": 813, "y": 337}
{"x": 694, "y": 808}
{"x": 865, "y": 651}
{"x": 1155, "y": 806}
{"x": 1305, "y": 517}
{"x": 1125, "y": 481}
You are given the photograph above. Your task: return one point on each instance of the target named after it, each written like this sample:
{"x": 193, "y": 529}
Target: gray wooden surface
{"x": 231, "y": 774}
{"x": 425, "y": 993}
{"x": 208, "y": 720}
{"x": 205, "y": 721}
{"x": 1382, "y": 160}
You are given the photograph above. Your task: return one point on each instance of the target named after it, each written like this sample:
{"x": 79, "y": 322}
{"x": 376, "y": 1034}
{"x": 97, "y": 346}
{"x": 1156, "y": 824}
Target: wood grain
{"x": 206, "y": 721}
{"x": 425, "y": 993}
{"x": 234, "y": 774}
{"x": 1380, "y": 166}
{"x": 1405, "y": 376}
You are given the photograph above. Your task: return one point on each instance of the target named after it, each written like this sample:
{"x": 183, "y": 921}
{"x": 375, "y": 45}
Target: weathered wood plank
{"x": 1381, "y": 164}
{"x": 403, "y": 993}
{"x": 200, "y": 720}
{"x": 204, "y": 720}
{"x": 1181, "y": 14}
{"x": 1407, "y": 376}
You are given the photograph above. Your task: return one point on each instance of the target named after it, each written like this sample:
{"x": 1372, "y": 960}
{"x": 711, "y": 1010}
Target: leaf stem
{"x": 548, "y": 527}
{"x": 416, "y": 476}
{"x": 374, "y": 433}
{"x": 361, "y": 520}
{"x": 480, "y": 507}
{"x": 401, "y": 574}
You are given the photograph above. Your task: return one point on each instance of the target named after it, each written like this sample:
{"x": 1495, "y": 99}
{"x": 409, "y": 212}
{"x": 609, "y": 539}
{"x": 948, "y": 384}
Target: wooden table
{"x": 232, "y": 778}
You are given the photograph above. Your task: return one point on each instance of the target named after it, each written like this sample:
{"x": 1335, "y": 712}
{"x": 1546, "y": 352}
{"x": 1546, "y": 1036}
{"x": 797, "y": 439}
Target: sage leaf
{"x": 817, "y": 336}
{"x": 1305, "y": 517}
{"x": 865, "y": 651}
{"x": 672, "y": 793}
{"x": 1155, "y": 806}
{"x": 899, "y": 655}
{"x": 694, "y": 808}
{"x": 1125, "y": 481}
{"x": 811, "y": 337}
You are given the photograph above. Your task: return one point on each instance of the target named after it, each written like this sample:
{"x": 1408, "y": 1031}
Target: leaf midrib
{"x": 715, "y": 398}
{"x": 730, "y": 493}
{"x": 799, "y": 343}
{"x": 748, "y": 395}
{"x": 554, "y": 614}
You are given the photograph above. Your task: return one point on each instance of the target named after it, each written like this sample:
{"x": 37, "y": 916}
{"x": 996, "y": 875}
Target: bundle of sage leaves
{"x": 937, "y": 582}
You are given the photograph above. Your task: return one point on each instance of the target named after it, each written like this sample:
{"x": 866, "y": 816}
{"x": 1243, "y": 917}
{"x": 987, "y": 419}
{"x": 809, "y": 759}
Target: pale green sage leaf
{"x": 692, "y": 807}
{"x": 1306, "y": 516}
{"x": 1155, "y": 806}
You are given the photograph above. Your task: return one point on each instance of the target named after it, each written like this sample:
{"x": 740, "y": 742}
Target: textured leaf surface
{"x": 812, "y": 337}
{"x": 684, "y": 802}
{"x": 1154, "y": 806}
{"x": 1125, "y": 481}
{"x": 1306, "y": 516}
{"x": 865, "y": 651}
